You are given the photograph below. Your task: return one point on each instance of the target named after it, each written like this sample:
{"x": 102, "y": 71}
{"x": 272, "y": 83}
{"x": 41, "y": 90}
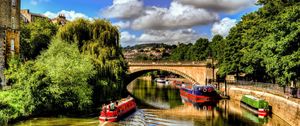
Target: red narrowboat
{"x": 122, "y": 107}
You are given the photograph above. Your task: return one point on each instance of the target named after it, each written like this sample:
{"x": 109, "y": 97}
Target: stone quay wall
{"x": 284, "y": 108}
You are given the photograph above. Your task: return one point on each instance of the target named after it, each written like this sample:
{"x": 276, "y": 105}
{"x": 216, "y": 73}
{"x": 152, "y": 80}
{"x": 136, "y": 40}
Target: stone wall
{"x": 196, "y": 74}
{"x": 2, "y": 58}
{"x": 282, "y": 107}
{"x": 10, "y": 15}
{"x": 5, "y": 13}
{"x": 9, "y": 31}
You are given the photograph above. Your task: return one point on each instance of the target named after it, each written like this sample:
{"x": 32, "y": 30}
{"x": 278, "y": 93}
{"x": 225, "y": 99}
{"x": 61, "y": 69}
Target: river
{"x": 162, "y": 105}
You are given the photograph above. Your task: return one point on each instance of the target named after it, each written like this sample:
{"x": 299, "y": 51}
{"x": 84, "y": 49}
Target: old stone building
{"x": 28, "y": 16}
{"x": 60, "y": 20}
{"x": 9, "y": 32}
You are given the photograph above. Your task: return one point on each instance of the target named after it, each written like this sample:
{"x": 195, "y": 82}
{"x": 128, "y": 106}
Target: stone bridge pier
{"x": 196, "y": 72}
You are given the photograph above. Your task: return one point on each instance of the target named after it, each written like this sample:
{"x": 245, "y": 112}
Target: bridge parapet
{"x": 167, "y": 63}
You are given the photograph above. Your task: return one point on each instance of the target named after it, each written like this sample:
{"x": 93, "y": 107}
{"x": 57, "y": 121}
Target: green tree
{"x": 100, "y": 41}
{"x": 57, "y": 82}
{"x": 66, "y": 74}
{"x": 35, "y": 37}
{"x": 216, "y": 46}
{"x": 265, "y": 44}
{"x": 179, "y": 53}
{"x": 199, "y": 51}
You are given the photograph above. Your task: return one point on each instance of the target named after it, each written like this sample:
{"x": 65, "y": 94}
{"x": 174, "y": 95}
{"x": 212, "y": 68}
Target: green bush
{"x": 56, "y": 82}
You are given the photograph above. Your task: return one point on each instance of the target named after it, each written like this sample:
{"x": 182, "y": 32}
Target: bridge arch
{"x": 196, "y": 72}
{"x": 139, "y": 72}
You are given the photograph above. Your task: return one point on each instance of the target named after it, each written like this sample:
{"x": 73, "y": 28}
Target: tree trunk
{"x": 237, "y": 74}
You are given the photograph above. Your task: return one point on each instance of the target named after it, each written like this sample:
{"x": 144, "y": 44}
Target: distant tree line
{"x": 150, "y": 45}
{"x": 199, "y": 51}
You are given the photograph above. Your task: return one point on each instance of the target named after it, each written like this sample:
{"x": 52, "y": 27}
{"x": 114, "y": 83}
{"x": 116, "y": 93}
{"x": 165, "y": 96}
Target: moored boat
{"x": 198, "y": 93}
{"x": 158, "y": 80}
{"x": 255, "y": 105}
{"x": 122, "y": 107}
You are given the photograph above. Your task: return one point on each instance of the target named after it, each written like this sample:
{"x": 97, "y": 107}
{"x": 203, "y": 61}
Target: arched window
{"x": 13, "y": 3}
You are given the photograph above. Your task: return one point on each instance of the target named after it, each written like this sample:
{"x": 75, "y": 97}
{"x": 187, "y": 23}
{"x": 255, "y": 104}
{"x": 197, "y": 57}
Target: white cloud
{"x": 223, "y": 27}
{"x": 220, "y": 5}
{"x": 36, "y": 2}
{"x": 174, "y": 24}
{"x": 127, "y": 38}
{"x": 70, "y": 15}
{"x": 169, "y": 36}
{"x": 122, "y": 24}
{"x": 161, "y": 36}
{"x": 124, "y": 9}
{"x": 176, "y": 17}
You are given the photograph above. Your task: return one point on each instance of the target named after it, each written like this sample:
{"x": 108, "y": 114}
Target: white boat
{"x": 160, "y": 81}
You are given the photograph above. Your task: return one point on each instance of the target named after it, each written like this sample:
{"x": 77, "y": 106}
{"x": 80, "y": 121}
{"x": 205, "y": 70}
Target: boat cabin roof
{"x": 252, "y": 97}
{"x": 124, "y": 100}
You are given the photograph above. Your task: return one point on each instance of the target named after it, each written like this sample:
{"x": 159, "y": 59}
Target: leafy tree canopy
{"x": 265, "y": 44}
{"x": 35, "y": 37}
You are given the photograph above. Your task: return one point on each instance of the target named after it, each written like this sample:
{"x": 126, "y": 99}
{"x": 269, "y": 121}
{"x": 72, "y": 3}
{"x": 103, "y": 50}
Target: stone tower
{"x": 9, "y": 32}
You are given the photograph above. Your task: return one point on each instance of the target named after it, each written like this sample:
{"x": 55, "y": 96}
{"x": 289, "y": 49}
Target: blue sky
{"x": 153, "y": 21}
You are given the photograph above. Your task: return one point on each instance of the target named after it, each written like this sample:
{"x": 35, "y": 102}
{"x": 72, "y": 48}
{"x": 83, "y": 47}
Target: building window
{"x": 13, "y": 22}
{"x": 13, "y": 3}
{"x": 12, "y": 45}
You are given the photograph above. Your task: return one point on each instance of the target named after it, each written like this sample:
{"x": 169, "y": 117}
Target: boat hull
{"x": 260, "y": 113}
{"x": 255, "y": 105}
{"x": 200, "y": 94}
{"x": 195, "y": 98}
{"x": 120, "y": 111}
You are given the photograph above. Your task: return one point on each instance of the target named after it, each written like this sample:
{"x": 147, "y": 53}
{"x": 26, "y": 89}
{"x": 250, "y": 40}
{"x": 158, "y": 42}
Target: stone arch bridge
{"x": 196, "y": 72}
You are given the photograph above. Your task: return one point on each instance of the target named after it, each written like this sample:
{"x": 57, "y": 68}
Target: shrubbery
{"x": 81, "y": 67}
{"x": 57, "y": 82}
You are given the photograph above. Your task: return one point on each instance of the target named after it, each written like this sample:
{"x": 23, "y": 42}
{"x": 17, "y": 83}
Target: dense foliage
{"x": 57, "y": 82}
{"x": 99, "y": 40}
{"x": 79, "y": 68}
{"x": 35, "y": 37}
{"x": 191, "y": 52}
{"x": 265, "y": 44}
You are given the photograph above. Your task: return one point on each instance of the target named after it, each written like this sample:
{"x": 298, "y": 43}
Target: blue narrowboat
{"x": 199, "y": 93}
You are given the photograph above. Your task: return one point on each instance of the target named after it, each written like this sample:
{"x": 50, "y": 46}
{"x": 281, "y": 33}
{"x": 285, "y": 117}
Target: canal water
{"x": 160, "y": 105}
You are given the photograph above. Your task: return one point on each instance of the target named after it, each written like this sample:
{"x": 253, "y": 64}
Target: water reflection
{"x": 200, "y": 105}
{"x": 63, "y": 121}
{"x": 163, "y": 97}
{"x": 170, "y": 110}
{"x": 175, "y": 109}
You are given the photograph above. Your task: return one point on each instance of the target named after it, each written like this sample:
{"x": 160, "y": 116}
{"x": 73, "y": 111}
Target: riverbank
{"x": 286, "y": 109}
